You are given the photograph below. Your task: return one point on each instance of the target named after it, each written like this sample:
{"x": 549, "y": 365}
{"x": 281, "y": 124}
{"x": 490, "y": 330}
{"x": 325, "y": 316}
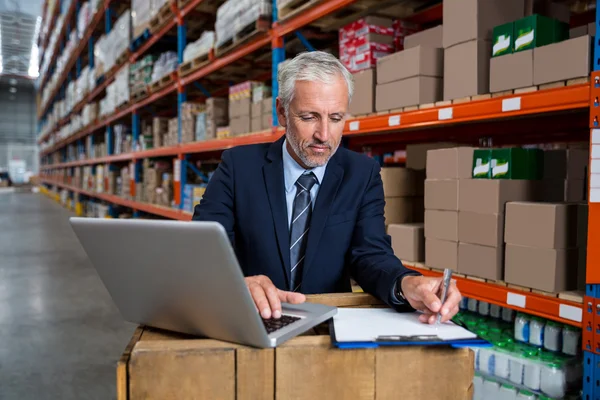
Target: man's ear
{"x": 280, "y": 113}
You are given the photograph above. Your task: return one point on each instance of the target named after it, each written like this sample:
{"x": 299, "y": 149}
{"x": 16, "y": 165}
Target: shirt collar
{"x": 292, "y": 170}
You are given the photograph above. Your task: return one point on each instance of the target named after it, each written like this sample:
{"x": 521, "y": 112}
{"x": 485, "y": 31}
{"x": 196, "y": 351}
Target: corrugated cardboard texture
{"x": 363, "y": 99}
{"x": 571, "y": 190}
{"x": 511, "y": 71}
{"x": 442, "y": 225}
{"x": 549, "y": 226}
{"x": 408, "y": 92}
{"x": 432, "y": 37}
{"x": 481, "y": 229}
{"x": 400, "y": 210}
{"x": 441, "y": 254}
{"x": 467, "y": 69}
{"x": 256, "y": 110}
{"x": 550, "y": 270}
{"x": 466, "y": 20}
{"x": 453, "y": 163}
{"x": 416, "y": 154}
{"x": 408, "y": 241}
{"x": 239, "y": 108}
{"x": 488, "y": 196}
{"x": 566, "y": 163}
{"x": 561, "y": 61}
{"x": 399, "y": 182}
{"x": 240, "y": 125}
{"x": 417, "y": 61}
{"x": 481, "y": 261}
{"x": 441, "y": 194}
{"x": 256, "y": 124}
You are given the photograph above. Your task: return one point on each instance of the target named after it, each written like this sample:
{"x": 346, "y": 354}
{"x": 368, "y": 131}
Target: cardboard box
{"x": 551, "y": 270}
{"x": 489, "y": 196}
{"x": 401, "y": 210}
{"x": 481, "y": 261}
{"x": 503, "y": 39}
{"x": 517, "y": 163}
{"x": 545, "y": 225}
{"x": 432, "y": 37}
{"x": 240, "y": 108}
{"x": 441, "y": 194}
{"x": 217, "y": 108}
{"x": 467, "y": 69}
{"x": 256, "y": 110}
{"x": 363, "y": 99}
{"x": 452, "y": 163}
{"x": 408, "y": 241}
{"x": 256, "y": 124}
{"x": 561, "y": 61}
{"x": 442, "y": 225}
{"x": 579, "y": 31}
{"x": 267, "y": 121}
{"x": 566, "y": 164}
{"x": 559, "y": 190}
{"x": 267, "y": 106}
{"x": 240, "y": 125}
{"x": 417, "y": 61}
{"x": 481, "y": 229}
{"x": 441, "y": 254}
{"x": 512, "y": 71}
{"x": 466, "y": 20}
{"x": 408, "y": 92}
{"x": 399, "y": 182}
{"x": 416, "y": 154}
{"x": 536, "y": 31}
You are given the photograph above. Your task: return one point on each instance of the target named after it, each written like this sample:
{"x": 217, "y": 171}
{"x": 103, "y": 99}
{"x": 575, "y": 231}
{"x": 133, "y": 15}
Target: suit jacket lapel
{"x": 274, "y": 182}
{"x": 327, "y": 192}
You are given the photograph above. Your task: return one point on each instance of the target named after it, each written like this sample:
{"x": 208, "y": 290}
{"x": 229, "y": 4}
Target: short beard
{"x": 291, "y": 138}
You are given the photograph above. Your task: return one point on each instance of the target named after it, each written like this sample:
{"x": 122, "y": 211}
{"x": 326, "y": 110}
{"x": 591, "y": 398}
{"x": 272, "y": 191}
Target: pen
{"x": 445, "y": 284}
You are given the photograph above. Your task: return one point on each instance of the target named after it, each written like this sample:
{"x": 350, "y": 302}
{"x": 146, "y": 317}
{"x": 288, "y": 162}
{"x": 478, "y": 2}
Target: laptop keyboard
{"x": 273, "y": 324}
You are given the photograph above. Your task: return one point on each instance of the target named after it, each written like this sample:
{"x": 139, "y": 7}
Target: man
{"x": 305, "y": 215}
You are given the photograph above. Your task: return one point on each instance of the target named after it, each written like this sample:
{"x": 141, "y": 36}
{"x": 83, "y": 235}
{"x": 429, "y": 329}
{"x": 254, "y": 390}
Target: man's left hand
{"x": 423, "y": 293}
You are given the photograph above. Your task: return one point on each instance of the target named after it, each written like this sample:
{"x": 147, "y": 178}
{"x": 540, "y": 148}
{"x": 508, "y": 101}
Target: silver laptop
{"x": 185, "y": 277}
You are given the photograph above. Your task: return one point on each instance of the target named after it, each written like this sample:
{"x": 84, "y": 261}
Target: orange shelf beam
{"x": 548, "y": 307}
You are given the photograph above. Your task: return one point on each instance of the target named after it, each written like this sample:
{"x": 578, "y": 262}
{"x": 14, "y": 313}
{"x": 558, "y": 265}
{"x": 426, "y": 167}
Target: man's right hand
{"x": 268, "y": 298}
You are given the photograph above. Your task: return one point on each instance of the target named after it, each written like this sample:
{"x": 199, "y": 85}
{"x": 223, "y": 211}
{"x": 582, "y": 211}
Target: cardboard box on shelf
{"x": 363, "y": 100}
{"x": 489, "y": 196}
{"x": 240, "y": 125}
{"x": 441, "y": 194}
{"x": 399, "y": 182}
{"x": 267, "y": 121}
{"x": 481, "y": 261}
{"x": 550, "y": 270}
{"x": 408, "y": 241}
{"x": 366, "y": 60}
{"x": 481, "y": 229}
{"x": 451, "y": 163}
{"x": 432, "y": 37}
{"x": 441, "y": 254}
{"x": 503, "y": 39}
{"x": 240, "y": 108}
{"x": 545, "y": 225}
{"x": 561, "y": 61}
{"x": 511, "y": 71}
{"x": 217, "y": 108}
{"x": 566, "y": 164}
{"x": 442, "y": 225}
{"x": 371, "y": 42}
{"x": 416, "y": 154}
{"x": 256, "y": 124}
{"x": 467, "y": 69}
{"x": 256, "y": 109}
{"x": 417, "y": 61}
{"x": 559, "y": 190}
{"x": 267, "y": 106}
{"x": 466, "y": 20}
{"x": 482, "y": 164}
{"x": 408, "y": 92}
{"x": 536, "y": 31}
{"x": 517, "y": 163}
{"x": 402, "y": 210}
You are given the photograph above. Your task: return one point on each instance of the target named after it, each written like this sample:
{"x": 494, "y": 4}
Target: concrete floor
{"x": 60, "y": 333}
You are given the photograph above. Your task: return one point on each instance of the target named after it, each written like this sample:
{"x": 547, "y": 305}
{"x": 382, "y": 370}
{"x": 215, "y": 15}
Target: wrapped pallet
{"x": 235, "y": 15}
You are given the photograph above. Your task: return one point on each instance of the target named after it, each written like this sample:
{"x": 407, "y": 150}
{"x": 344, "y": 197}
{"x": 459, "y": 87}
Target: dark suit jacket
{"x": 347, "y": 237}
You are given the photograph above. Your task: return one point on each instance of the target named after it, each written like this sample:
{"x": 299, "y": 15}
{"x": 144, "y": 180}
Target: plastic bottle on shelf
{"x": 522, "y": 322}
{"x": 532, "y": 370}
{"x": 553, "y": 336}
{"x": 478, "y": 388}
{"x": 490, "y": 389}
{"x": 507, "y": 392}
{"x": 516, "y": 371}
{"x": 536, "y": 331}
{"x": 501, "y": 360}
{"x": 487, "y": 361}
{"x": 508, "y": 314}
{"x": 571, "y": 340}
{"x": 525, "y": 395}
{"x": 472, "y": 305}
{"x": 483, "y": 308}
{"x": 495, "y": 311}
{"x": 553, "y": 379}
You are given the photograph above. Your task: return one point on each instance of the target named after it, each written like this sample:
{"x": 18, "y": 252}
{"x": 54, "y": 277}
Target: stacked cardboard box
{"x": 172, "y": 137}
{"x": 568, "y": 59}
{"x": 403, "y": 189}
{"x": 446, "y": 168}
{"x": 403, "y": 29}
{"x": 416, "y": 154}
{"x": 410, "y": 77}
{"x": 589, "y": 29}
{"x": 240, "y": 107}
{"x": 363, "y": 100}
{"x": 189, "y": 115}
{"x": 152, "y": 180}
{"x": 164, "y": 193}
{"x": 408, "y": 241}
{"x": 541, "y": 245}
{"x": 364, "y": 41}
{"x": 160, "y": 127}
{"x": 216, "y": 115}
{"x": 261, "y": 105}
{"x": 267, "y": 114}
{"x": 565, "y": 174}
{"x": 432, "y": 37}
{"x": 467, "y": 38}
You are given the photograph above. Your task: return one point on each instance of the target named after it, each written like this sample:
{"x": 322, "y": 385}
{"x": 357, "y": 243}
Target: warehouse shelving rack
{"x": 568, "y": 110}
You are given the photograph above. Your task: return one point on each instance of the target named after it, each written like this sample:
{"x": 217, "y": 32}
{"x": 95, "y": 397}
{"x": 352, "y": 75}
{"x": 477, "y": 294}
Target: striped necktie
{"x": 299, "y": 227}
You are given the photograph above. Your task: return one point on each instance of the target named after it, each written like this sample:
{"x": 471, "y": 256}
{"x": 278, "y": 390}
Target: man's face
{"x": 315, "y": 121}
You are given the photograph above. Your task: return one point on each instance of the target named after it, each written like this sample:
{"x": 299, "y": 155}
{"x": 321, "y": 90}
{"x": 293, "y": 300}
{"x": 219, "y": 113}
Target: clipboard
{"x": 405, "y": 339}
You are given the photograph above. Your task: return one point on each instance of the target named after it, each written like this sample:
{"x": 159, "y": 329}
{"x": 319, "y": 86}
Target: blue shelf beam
{"x": 304, "y": 41}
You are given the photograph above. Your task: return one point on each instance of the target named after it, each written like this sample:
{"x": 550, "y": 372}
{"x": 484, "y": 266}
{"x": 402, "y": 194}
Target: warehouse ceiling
{"x": 19, "y": 20}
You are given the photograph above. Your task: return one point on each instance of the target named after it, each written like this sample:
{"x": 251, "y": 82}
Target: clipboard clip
{"x": 415, "y": 338}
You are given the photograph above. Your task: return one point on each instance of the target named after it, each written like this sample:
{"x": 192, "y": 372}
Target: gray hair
{"x": 311, "y": 66}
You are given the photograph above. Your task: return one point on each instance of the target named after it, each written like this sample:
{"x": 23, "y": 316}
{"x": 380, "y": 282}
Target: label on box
{"x": 570, "y": 312}
{"x": 354, "y": 125}
{"x": 513, "y": 104}
{"x": 177, "y": 170}
{"x": 445, "y": 113}
{"x": 514, "y": 299}
{"x": 361, "y": 28}
{"x": 394, "y": 120}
